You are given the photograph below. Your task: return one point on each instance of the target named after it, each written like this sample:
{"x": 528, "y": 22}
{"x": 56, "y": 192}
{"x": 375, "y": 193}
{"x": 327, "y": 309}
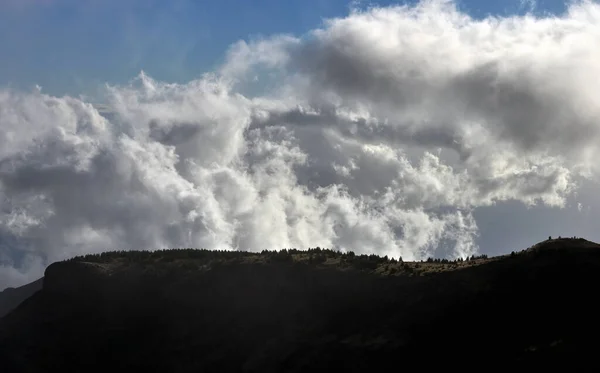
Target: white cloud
{"x": 379, "y": 133}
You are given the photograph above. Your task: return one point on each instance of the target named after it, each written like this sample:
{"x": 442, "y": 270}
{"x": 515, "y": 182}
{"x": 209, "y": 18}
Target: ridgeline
{"x": 190, "y": 310}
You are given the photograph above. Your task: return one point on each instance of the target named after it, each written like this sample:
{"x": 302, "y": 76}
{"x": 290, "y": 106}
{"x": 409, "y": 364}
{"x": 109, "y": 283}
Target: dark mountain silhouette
{"x": 298, "y": 311}
{"x": 10, "y": 298}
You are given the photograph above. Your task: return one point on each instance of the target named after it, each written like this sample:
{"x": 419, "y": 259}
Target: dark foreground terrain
{"x": 203, "y": 311}
{"x": 10, "y": 298}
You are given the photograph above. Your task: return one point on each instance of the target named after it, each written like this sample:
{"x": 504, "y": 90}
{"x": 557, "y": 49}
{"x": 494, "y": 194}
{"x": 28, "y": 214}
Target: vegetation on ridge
{"x": 200, "y": 310}
{"x": 202, "y": 259}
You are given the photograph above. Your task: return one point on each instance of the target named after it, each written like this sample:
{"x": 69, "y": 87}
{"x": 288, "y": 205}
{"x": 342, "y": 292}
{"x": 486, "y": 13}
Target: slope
{"x": 191, "y": 310}
{"x": 10, "y": 298}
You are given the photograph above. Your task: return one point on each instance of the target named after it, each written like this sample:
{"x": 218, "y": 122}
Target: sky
{"x": 433, "y": 128}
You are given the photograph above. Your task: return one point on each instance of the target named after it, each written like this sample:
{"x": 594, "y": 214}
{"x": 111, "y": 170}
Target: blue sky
{"x": 74, "y": 46}
{"x": 428, "y": 130}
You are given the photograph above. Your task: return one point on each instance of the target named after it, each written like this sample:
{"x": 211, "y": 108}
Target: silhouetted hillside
{"x": 10, "y": 298}
{"x": 298, "y": 311}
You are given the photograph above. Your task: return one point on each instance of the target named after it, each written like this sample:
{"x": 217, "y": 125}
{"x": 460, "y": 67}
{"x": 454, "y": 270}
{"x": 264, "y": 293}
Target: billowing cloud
{"x": 380, "y": 133}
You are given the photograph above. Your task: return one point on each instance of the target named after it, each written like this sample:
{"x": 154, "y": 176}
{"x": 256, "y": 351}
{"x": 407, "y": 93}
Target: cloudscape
{"x": 400, "y": 130}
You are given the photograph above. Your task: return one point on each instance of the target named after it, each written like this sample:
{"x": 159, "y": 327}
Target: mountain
{"x": 10, "y": 298}
{"x": 308, "y": 311}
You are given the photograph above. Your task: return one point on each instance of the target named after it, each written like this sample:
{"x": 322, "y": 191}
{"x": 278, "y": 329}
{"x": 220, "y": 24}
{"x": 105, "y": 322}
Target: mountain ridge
{"x": 190, "y": 310}
{"x": 10, "y": 298}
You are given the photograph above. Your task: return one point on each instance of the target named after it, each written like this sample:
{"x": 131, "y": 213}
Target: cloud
{"x": 381, "y": 132}
{"x": 529, "y": 5}
{"x": 12, "y": 275}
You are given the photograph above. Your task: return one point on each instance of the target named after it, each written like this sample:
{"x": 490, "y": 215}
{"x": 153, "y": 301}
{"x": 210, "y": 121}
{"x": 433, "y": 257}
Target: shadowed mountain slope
{"x": 10, "y": 298}
{"x": 298, "y": 311}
